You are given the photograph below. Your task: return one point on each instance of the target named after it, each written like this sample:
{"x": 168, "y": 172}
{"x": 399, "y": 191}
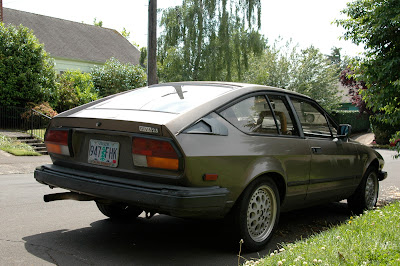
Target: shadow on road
{"x": 165, "y": 240}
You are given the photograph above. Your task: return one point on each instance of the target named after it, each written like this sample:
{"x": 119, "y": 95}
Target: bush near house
{"x": 115, "y": 77}
{"x": 383, "y": 131}
{"x": 26, "y": 71}
{"x": 359, "y": 122}
{"x": 74, "y": 88}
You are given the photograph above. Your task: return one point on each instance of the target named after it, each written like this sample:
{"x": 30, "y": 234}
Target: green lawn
{"x": 16, "y": 147}
{"x": 369, "y": 239}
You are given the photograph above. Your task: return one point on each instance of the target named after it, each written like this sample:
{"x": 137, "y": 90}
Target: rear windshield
{"x": 170, "y": 99}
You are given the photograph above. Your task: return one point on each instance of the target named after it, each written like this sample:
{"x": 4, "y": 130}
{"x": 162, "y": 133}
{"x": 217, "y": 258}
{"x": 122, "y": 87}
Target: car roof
{"x": 233, "y": 85}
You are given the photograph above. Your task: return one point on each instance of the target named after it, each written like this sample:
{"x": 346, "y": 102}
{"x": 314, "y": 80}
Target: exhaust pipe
{"x": 67, "y": 196}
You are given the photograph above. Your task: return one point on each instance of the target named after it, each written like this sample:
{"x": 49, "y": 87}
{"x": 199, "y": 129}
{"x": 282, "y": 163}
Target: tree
{"x": 315, "y": 76}
{"x": 306, "y": 71}
{"x": 355, "y": 87}
{"x": 26, "y": 71}
{"x": 213, "y": 39}
{"x": 115, "y": 77}
{"x": 376, "y": 25}
{"x": 73, "y": 89}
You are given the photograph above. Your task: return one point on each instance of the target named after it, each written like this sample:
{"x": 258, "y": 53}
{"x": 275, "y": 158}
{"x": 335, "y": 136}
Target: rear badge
{"x": 148, "y": 129}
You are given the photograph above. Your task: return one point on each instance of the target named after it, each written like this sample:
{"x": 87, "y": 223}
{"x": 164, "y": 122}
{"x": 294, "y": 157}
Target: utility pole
{"x": 152, "y": 44}
{"x": 1, "y": 11}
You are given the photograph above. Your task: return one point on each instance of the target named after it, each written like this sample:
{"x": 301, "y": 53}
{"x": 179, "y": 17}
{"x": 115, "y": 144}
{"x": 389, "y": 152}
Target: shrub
{"x": 43, "y": 108}
{"x": 26, "y": 71}
{"x": 359, "y": 122}
{"x": 115, "y": 77}
{"x": 383, "y": 132}
{"x": 73, "y": 89}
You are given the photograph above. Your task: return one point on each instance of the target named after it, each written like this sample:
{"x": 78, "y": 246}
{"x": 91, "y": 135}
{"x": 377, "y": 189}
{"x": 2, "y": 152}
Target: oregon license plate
{"x": 103, "y": 152}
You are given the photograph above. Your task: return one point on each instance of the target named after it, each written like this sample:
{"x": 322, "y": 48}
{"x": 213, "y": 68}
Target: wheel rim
{"x": 261, "y": 213}
{"x": 371, "y": 190}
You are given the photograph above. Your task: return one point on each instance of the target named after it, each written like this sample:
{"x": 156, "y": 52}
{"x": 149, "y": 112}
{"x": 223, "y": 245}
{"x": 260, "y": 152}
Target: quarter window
{"x": 252, "y": 115}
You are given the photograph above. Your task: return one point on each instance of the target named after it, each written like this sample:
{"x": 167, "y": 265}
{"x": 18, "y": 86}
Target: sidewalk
{"x": 10, "y": 164}
{"x": 364, "y": 138}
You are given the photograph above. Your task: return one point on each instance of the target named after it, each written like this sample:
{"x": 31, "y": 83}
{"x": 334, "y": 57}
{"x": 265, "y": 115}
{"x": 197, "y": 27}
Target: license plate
{"x": 103, "y": 153}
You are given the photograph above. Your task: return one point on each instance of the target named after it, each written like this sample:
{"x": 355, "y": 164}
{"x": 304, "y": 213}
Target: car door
{"x": 332, "y": 171}
{"x": 272, "y": 135}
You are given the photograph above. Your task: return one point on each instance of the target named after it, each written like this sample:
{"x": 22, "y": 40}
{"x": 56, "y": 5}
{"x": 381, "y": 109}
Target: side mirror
{"x": 344, "y": 131}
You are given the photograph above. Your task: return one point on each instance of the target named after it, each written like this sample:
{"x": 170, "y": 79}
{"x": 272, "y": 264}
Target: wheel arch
{"x": 373, "y": 164}
{"x": 276, "y": 177}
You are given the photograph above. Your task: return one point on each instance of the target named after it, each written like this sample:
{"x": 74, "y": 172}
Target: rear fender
{"x": 270, "y": 168}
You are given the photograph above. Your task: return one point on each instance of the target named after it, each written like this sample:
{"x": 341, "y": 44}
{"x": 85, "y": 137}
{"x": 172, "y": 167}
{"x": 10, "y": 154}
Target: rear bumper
{"x": 173, "y": 200}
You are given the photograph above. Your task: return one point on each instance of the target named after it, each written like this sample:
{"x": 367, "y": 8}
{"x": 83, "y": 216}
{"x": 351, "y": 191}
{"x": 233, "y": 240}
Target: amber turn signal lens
{"x": 210, "y": 177}
{"x": 165, "y": 163}
{"x": 57, "y": 142}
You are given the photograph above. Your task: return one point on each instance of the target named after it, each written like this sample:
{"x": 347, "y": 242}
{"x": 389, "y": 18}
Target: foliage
{"x": 26, "y": 71}
{"x": 114, "y": 77}
{"x": 16, "y": 147}
{"x": 382, "y": 130}
{"x": 375, "y": 24}
{"x": 208, "y": 40}
{"x": 143, "y": 57}
{"x": 337, "y": 59}
{"x": 43, "y": 108}
{"x": 359, "y": 122}
{"x": 73, "y": 89}
{"x": 397, "y": 146}
{"x": 306, "y": 71}
{"x": 314, "y": 76}
{"x": 97, "y": 23}
{"x": 125, "y": 33}
{"x": 368, "y": 239}
{"x": 273, "y": 67}
{"x": 355, "y": 88}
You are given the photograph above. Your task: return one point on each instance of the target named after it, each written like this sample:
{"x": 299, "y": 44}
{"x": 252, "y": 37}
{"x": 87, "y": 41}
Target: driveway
{"x": 76, "y": 233}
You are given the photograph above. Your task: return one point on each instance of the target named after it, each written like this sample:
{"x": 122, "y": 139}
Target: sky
{"x": 304, "y": 22}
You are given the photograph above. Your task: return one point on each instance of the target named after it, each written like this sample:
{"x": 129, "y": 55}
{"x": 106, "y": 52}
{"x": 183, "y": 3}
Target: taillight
{"x": 154, "y": 153}
{"x": 57, "y": 141}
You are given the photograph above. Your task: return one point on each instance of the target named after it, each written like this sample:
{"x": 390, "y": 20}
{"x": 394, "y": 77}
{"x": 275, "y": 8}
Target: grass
{"x": 368, "y": 239}
{"x": 15, "y": 147}
{"x": 39, "y": 133}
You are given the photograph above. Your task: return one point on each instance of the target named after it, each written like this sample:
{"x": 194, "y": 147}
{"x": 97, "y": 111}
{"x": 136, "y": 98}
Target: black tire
{"x": 119, "y": 211}
{"x": 366, "y": 195}
{"x": 256, "y": 214}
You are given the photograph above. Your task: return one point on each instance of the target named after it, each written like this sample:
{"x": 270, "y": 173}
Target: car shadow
{"x": 164, "y": 240}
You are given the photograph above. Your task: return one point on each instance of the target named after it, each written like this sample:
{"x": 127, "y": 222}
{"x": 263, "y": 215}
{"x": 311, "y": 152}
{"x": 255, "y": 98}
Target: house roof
{"x": 74, "y": 40}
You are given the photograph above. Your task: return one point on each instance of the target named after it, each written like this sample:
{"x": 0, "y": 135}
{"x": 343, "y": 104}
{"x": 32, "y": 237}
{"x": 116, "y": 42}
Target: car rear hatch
{"x": 126, "y": 135}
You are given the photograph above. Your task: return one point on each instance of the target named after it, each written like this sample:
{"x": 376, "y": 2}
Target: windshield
{"x": 171, "y": 99}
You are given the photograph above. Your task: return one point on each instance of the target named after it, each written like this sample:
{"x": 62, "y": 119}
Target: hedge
{"x": 359, "y": 122}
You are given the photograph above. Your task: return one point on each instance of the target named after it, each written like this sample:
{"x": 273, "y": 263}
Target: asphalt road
{"x": 76, "y": 233}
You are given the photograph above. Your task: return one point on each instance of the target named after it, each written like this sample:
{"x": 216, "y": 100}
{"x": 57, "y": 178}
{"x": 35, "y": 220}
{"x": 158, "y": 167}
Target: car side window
{"x": 252, "y": 115}
{"x": 283, "y": 116}
{"x": 312, "y": 119}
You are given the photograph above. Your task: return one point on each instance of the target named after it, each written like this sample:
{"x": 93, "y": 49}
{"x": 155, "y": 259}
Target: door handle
{"x": 316, "y": 150}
